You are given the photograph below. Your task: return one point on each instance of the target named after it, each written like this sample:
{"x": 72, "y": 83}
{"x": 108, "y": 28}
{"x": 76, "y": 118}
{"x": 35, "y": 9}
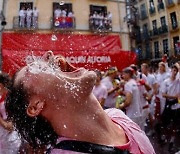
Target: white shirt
{"x": 100, "y": 92}
{"x": 70, "y": 14}
{"x": 172, "y": 88}
{"x": 57, "y": 13}
{"x": 63, "y": 13}
{"x": 160, "y": 78}
{"x": 35, "y": 13}
{"x": 134, "y": 109}
{"x": 110, "y": 100}
{"x": 22, "y": 13}
{"x": 29, "y": 13}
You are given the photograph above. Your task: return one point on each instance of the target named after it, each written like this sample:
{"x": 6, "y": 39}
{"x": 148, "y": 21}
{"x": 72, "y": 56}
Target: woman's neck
{"x": 87, "y": 122}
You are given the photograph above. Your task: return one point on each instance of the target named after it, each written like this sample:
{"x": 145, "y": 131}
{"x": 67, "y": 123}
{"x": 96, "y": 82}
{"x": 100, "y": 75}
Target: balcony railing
{"x": 143, "y": 15}
{"x": 152, "y": 10}
{"x": 154, "y": 32}
{"x": 160, "y": 6}
{"x": 63, "y": 23}
{"x": 163, "y": 29}
{"x": 145, "y": 36}
{"x": 100, "y": 25}
{"x": 174, "y": 26}
{"x": 25, "y": 23}
{"x": 170, "y": 3}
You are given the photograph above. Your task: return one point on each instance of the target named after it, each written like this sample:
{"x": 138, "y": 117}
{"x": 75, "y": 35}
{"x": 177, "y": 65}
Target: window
{"x": 163, "y": 21}
{"x": 143, "y": 11}
{"x": 100, "y": 19}
{"x": 151, "y": 7}
{"x": 63, "y": 16}
{"x": 175, "y": 43}
{"x": 98, "y": 9}
{"x": 25, "y": 15}
{"x": 165, "y": 46}
{"x": 145, "y": 31}
{"x": 154, "y": 24}
{"x": 156, "y": 49}
{"x": 148, "y": 54}
{"x": 26, "y": 5}
{"x": 173, "y": 20}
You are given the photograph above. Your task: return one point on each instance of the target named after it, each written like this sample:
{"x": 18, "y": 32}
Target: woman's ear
{"x": 35, "y": 107}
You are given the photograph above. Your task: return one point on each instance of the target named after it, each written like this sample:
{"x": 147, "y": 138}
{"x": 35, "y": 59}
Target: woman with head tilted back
{"x": 49, "y": 106}
{"x": 9, "y": 141}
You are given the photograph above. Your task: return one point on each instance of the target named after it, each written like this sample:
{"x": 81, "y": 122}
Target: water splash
{"x": 62, "y": 3}
{"x": 54, "y": 37}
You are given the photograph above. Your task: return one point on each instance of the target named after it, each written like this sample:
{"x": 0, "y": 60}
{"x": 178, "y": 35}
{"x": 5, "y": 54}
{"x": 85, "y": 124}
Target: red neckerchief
{"x": 2, "y": 98}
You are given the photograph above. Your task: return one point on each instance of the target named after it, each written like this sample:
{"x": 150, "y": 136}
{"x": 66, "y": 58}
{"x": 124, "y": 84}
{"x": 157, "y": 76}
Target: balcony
{"x": 144, "y": 15}
{"x": 145, "y": 36}
{"x": 100, "y": 25}
{"x": 24, "y": 23}
{"x": 160, "y": 6}
{"x": 152, "y": 10}
{"x": 63, "y": 23}
{"x": 131, "y": 2}
{"x": 170, "y": 3}
{"x": 163, "y": 29}
{"x": 154, "y": 32}
{"x": 174, "y": 26}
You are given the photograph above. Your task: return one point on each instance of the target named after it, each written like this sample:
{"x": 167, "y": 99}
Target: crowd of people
{"x": 59, "y": 108}
{"x": 100, "y": 21}
{"x": 28, "y": 18}
{"x": 148, "y": 98}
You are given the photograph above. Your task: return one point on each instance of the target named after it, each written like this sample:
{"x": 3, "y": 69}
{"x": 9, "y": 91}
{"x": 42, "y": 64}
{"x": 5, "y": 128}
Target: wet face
{"x": 49, "y": 83}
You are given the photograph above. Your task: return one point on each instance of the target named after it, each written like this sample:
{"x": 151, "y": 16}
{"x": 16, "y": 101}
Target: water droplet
{"x": 54, "y": 37}
{"x": 62, "y": 3}
{"x": 65, "y": 126}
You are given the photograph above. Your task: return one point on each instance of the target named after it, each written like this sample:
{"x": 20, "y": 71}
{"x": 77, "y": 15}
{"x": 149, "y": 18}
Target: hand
{"x": 142, "y": 82}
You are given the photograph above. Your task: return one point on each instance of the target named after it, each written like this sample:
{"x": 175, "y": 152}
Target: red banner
{"x": 89, "y": 51}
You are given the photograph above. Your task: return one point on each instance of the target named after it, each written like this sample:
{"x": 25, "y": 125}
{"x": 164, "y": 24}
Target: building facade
{"x": 101, "y": 19}
{"x": 173, "y": 14}
{"x": 156, "y": 30}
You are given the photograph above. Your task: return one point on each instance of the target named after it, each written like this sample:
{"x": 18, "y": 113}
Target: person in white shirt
{"x": 57, "y": 13}
{"x": 110, "y": 101}
{"x": 132, "y": 97}
{"x": 70, "y": 14}
{"x": 35, "y": 17}
{"x": 171, "y": 114}
{"x": 64, "y": 13}
{"x": 160, "y": 78}
{"x": 99, "y": 90}
{"x": 22, "y": 15}
{"x": 29, "y": 17}
{"x": 151, "y": 81}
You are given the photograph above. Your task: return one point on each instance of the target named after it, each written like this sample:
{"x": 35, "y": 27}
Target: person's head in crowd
{"x": 134, "y": 67}
{"x": 128, "y": 73}
{"x": 112, "y": 72}
{"x": 164, "y": 58}
{"x": 5, "y": 83}
{"x": 99, "y": 76}
{"x": 38, "y": 90}
{"x": 144, "y": 68}
{"x": 162, "y": 67}
{"x": 175, "y": 70}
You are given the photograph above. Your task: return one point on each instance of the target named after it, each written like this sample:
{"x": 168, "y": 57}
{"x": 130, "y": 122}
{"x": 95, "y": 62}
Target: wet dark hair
{"x": 37, "y": 131}
{"x": 5, "y": 80}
